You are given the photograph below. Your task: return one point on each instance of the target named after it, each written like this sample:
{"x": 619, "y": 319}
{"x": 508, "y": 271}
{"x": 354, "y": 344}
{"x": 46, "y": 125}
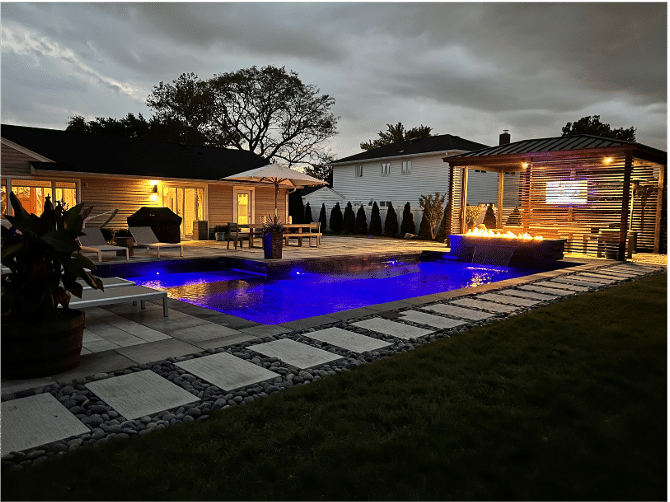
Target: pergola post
{"x": 525, "y": 199}
{"x": 659, "y": 210}
{"x": 464, "y": 200}
{"x": 450, "y": 201}
{"x": 501, "y": 189}
{"x": 625, "y": 201}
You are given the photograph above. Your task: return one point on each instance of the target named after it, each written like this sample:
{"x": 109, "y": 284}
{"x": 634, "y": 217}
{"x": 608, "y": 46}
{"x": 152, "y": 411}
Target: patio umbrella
{"x": 278, "y": 176}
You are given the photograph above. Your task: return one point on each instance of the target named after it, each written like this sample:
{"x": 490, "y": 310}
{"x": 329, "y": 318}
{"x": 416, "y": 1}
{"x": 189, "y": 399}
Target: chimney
{"x": 504, "y": 137}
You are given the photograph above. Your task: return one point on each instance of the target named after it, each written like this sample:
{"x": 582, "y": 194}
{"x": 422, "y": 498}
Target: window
{"x": 33, "y": 193}
{"x": 479, "y": 171}
{"x": 359, "y": 171}
{"x": 386, "y": 169}
{"x": 406, "y": 166}
{"x": 384, "y": 203}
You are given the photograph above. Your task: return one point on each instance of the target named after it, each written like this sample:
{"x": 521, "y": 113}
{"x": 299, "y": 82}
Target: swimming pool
{"x": 253, "y": 296}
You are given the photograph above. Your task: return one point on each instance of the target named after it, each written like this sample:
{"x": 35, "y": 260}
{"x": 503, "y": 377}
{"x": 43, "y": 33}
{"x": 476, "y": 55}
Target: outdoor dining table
{"x": 255, "y": 230}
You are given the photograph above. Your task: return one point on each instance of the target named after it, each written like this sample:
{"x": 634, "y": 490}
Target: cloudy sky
{"x": 466, "y": 69}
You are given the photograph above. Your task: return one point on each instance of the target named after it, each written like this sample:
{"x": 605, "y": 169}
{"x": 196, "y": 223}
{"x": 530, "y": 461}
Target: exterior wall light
{"x": 607, "y": 160}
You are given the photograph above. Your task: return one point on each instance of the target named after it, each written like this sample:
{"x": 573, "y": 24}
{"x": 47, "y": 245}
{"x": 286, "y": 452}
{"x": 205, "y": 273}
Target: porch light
{"x": 607, "y": 160}
{"x": 524, "y": 165}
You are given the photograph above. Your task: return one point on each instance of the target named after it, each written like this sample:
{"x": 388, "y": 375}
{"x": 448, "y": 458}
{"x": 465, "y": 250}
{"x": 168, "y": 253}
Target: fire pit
{"x": 507, "y": 249}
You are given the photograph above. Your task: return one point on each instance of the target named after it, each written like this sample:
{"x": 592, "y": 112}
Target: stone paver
{"x": 527, "y": 294}
{"x": 541, "y": 289}
{"x": 453, "y": 310}
{"x": 392, "y": 328}
{"x": 512, "y": 300}
{"x": 348, "y": 340}
{"x": 563, "y": 285}
{"x": 227, "y": 371}
{"x": 598, "y": 278}
{"x": 578, "y": 282}
{"x": 36, "y": 420}
{"x": 485, "y": 305}
{"x": 157, "y": 351}
{"x": 141, "y": 393}
{"x": 296, "y": 354}
{"x": 432, "y": 320}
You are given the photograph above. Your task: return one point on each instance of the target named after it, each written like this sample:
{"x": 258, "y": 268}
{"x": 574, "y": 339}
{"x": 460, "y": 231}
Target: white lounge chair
{"x": 145, "y": 236}
{"x": 94, "y": 241}
{"x": 109, "y": 282}
{"x": 121, "y": 294}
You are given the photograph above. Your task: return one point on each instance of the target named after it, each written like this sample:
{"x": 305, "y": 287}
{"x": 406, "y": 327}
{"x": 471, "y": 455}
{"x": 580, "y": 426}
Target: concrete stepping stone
{"x": 432, "y": 320}
{"x": 37, "y": 420}
{"x": 528, "y": 294}
{"x": 347, "y": 340}
{"x": 227, "y": 371}
{"x": 603, "y": 279}
{"x": 578, "y": 282}
{"x": 562, "y": 285}
{"x": 611, "y": 272}
{"x": 297, "y": 354}
{"x": 392, "y": 328}
{"x": 142, "y": 393}
{"x": 453, "y": 310}
{"x": 485, "y": 305}
{"x": 542, "y": 289}
{"x": 512, "y": 300}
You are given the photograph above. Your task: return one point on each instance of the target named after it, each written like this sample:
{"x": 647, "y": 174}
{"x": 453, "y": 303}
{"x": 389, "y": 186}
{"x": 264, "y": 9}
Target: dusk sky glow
{"x": 466, "y": 69}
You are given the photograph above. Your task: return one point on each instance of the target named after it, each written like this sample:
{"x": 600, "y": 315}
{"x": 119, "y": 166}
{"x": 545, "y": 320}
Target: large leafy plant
{"x": 40, "y": 252}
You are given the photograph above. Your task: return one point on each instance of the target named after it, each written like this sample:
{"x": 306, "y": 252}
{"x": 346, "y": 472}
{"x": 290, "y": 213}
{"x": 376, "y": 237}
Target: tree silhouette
{"x": 592, "y": 125}
{"x": 391, "y": 223}
{"x": 395, "y": 133}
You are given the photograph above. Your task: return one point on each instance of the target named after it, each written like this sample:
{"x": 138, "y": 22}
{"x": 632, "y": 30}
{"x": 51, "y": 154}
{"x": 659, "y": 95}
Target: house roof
{"x": 415, "y": 146}
{"x": 102, "y": 154}
{"x": 571, "y": 143}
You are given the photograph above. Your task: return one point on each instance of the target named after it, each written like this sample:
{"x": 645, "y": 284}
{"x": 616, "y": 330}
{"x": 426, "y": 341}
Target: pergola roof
{"x": 508, "y": 156}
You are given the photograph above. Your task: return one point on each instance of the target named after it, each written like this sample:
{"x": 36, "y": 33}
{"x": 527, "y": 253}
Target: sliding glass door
{"x": 187, "y": 202}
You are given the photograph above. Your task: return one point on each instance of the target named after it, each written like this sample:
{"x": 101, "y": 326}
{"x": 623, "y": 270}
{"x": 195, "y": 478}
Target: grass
{"x": 565, "y": 402}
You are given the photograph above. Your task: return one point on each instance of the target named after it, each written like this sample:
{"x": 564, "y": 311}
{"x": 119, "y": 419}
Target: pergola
{"x": 593, "y": 191}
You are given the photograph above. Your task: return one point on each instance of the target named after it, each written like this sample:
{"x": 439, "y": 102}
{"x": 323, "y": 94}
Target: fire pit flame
{"x": 483, "y": 232}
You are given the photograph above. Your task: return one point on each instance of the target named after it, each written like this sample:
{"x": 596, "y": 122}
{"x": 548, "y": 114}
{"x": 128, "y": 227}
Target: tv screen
{"x": 567, "y": 192}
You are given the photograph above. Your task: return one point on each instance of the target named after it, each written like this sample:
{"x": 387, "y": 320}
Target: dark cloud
{"x": 465, "y": 69}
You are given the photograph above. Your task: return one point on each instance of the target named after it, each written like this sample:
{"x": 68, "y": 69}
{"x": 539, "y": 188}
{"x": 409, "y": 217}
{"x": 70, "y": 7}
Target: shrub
{"x": 490, "y": 217}
{"x": 441, "y": 235}
{"x": 108, "y": 234}
{"x": 308, "y": 214}
{"x": 391, "y": 223}
{"x": 432, "y": 210}
{"x": 375, "y": 221}
{"x": 407, "y": 226}
{"x": 336, "y": 219}
{"x": 425, "y": 232}
{"x": 349, "y": 219}
{"x": 514, "y": 218}
{"x": 122, "y": 232}
{"x": 471, "y": 215}
{"x": 322, "y": 217}
{"x": 361, "y": 223}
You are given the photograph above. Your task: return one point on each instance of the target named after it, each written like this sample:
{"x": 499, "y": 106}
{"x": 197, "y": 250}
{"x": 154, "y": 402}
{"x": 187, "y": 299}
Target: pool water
{"x": 303, "y": 294}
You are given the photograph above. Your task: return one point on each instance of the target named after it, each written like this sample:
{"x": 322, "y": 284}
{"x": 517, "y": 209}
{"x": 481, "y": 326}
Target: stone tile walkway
{"x": 32, "y": 418}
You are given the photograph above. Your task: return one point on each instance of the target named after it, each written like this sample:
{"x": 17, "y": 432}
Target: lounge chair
{"x": 109, "y": 282}
{"x": 145, "y": 236}
{"x": 94, "y": 241}
{"x": 121, "y": 294}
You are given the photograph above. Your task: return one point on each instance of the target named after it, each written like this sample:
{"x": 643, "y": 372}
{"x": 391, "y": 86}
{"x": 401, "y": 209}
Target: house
{"x": 109, "y": 173}
{"x": 401, "y": 172}
{"x": 594, "y": 192}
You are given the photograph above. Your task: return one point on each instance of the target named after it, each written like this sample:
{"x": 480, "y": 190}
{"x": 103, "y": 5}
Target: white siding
{"x": 429, "y": 174}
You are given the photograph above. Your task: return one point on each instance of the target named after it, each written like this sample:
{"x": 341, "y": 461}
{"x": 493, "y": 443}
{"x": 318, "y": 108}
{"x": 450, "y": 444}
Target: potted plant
{"x": 39, "y": 337}
{"x": 272, "y": 237}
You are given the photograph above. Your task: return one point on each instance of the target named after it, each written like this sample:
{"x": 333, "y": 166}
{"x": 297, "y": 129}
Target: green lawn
{"x": 565, "y": 402}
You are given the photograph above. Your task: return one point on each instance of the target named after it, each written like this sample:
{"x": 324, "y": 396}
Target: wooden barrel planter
{"x": 31, "y": 350}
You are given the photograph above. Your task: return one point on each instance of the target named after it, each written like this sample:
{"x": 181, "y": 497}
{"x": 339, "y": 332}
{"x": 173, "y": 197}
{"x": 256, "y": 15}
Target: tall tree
{"x": 592, "y": 125}
{"x": 395, "y": 133}
{"x": 407, "y": 226}
{"x": 391, "y": 223}
{"x": 268, "y": 111}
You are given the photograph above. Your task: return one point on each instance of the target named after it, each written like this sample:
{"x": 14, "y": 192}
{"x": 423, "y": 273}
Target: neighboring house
{"x": 401, "y": 172}
{"x": 110, "y": 172}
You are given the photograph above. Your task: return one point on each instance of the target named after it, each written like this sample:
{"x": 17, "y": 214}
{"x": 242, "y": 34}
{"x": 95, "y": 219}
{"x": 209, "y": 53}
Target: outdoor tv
{"x": 567, "y": 192}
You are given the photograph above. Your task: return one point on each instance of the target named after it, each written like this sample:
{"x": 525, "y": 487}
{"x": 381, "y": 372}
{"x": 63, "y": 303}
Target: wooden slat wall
{"x": 604, "y": 201}
{"x": 109, "y": 193}
{"x": 220, "y": 204}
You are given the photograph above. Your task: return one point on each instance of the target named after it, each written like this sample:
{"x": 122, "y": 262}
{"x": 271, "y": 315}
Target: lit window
{"x": 406, "y": 166}
{"x": 359, "y": 171}
{"x": 386, "y": 169}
